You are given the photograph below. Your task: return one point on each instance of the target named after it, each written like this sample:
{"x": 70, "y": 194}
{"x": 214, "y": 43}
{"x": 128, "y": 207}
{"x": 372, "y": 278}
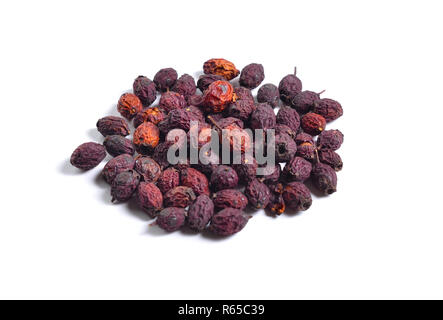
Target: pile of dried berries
{"x": 210, "y": 195}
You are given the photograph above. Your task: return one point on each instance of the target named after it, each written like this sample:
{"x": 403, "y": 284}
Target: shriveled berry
{"x": 331, "y": 158}
{"x": 252, "y": 75}
{"x": 282, "y": 128}
{"x": 88, "y": 155}
{"x": 226, "y": 122}
{"x": 258, "y": 194}
{"x": 180, "y": 196}
{"x": 146, "y": 137}
{"x": 330, "y": 139}
{"x": 263, "y": 117}
{"x": 303, "y": 137}
{"x": 288, "y": 116}
{"x": 172, "y": 100}
{"x": 196, "y": 113}
{"x": 329, "y": 109}
{"x": 160, "y": 154}
{"x": 171, "y": 219}
{"x": 269, "y": 93}
{"x": 228, "y": 222}
{"x": 129, "y": 105}
{"x": 271, "y": 174}
{"x": 297, "y": 196}
{"x": 148, "y": 169}
{"x": 241, "y": 109}
{"x": 205, "y": 80}
{"x": 285, "y": 148}
{"x": 239, "y": 139}
{"x": 305, "y": 146}
{"x": 304, "y": 101}
{"x": 185, "y": 85}
{"x": 224, "y": 177}
{"x": 111, "y": 125}
{"x": 195, "y": 100}
{"x": 124, "y": 185}
{"x": 324, "y": 178}
{"x": 207, "y": 163}
{"x": 154, "y": 115}
{"x": 200, "y": 213}
{"x": 169, "y": 179}
{"x": 243, "y": 93}
{"x": 289, "y": 87}
{"x": 116, "y": 145}
{"x": 298, "y": 169}
{"x": 195, "y": 180}
{"x": 218, "y": 96}
{"x": 246, "y": 169}
{"x": 276, "y": 203}
{"x": 313, "y": 123}
{"x": 230, "y": 198}
{"x": 117, "y": 165}
{"x": 221, "y": 67}
{"x": 181, "y": 118}
{"x": 149, "y": 198}
{"x": 165, "y": 79}
{"x": 145, "y": 90}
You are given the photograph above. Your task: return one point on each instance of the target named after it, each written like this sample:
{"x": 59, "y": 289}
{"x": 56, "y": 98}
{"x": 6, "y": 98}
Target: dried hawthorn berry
{"x": 172, "y": 100}
{"x": 289, "y": 87}
{"x": 185, "y": 86}
{"x": 330, "y": 139}
{"x": 276, "y": 203}
{"x": 154, "y": 115}
{"x": 298, "y": 169}
{"x": 171, "y": 219}
{"x": 288, "y": 116}
{"x": 285, "y": 148}
{"x": 297, "y": 196}
{"x": 313, "y": 123}
{"x": 241, "y": 109}
{"x": 146, "y": 137}
{"x": 224, "y": 177}
{"x": 145, "y": 90}
{"x": 331, "y": 158}
{"x": 282, "y": 128}
{"x": 228, "y": 222}
{"x": 196, "y": 113}
{"x": 180, "y": 196}
{"x": 226, "y": 122}
{"x": 148, "y": 169}
{"x": 263, "y": 117}
{"x": 230, "y": 198}
{"x": 205, "y": 80}
{"x": 160, "y": 154}
{"x": 304, "y": 101}
{"x": 181, "y": 118}
{"x": 195, "y": 180}
{"x": 209, "y": 164}
{"x": 324, "y": 178}
{"x": 111, "y": 125}
{"x": 129, "y": 105}
{"x": 252, "y": 75}
{"x": 179, "y": 136}
{"x": 218, "y": 95}
{"x": 271, "y": 174}
{"x": 88, "y": 155}
{"x": 124, "y": 185}
{"x": 269, "y": 93}
{"x": 239, "y": 139}
{"x": 169, "y": 179}
{"x": 329, "y": 109}
{"x": 149, "y": 198}
{"x": 221, "y": 67}
{"x": 305, "y": 146}
{"x": 304, "y": 138}
{"x": 116, "y": 145}
{"x": 165, "y": 79}
{"x": 195, "y": 100}
{"x": 246, "y": 169}
{"x": 200, "y": 213}
{"x": 243, "y": 93}
{"x": 258, "y": 194}
{"x": 117, "y": 165}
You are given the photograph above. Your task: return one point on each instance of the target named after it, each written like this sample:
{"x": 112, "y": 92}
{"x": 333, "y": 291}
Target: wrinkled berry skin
{"x": 252, "y": 75}
{"x": 200, "y": 213}
{"x": 171, "y": 219}
{"x": 263, "y": 117}
{"x": 172, "y": 100}
{"x": 330, "y": 139}
{"x": 324, "y": 178}
{"x": 124, "y": 185}
{"x": 218, "y": 95}
{"x": 181, "y": 119}
{"x": 88, "y": 155}
{"x": 228, "y": 222}
{"x": 154, "y": 115}
{"x": 297, "y": 196}
{"x": 331, "y": 158}
{"x": 304, "y": 101}
{"x": 149, "y": 198}
{"x": 117, "y": 145}
{"x": 165, "y": 79}
{"x": 205, "y": 80}
{"x": 243, "y": 93}
{"x": 221, "y": 67}
{"x": 169, "y": 179}
{"x": 304, "y": 137}
{"x": 246, "y": 170}
{"x": 195, "y": 180}
{"x": 272, "y": 175}
{"x": 146, "y": 137}
{"x": 180, "y": 196}
{"x": 329, "y": 109}
{"x": 241, "y": 109}
{"x": 129, "y": 105}
{"x": 258, "y": 194}
{"x": 289, "y": 87}
{"x": 223, "y": 177}
{"x": 145, "y": 90}
{"x": 117, "y": 165}
{"x": 269, "y": 93}
{"x": 211, "y": 162}
{"x": 111, "y": 125}
{"x": 305, "y": 146}
{"x": 288, "y": 116}
{"x": 282, "y": 128}
{"x": 313, "y": 123}
{"x": 148, "y": 169}
{"x": 298, "y": 169}
{"x": 185, "y": 86}
{"x": 226, "y": 122}
{"x": 230, "y": 198}
{"x": 285, "y": 148}
{"x": 160, "y": 154}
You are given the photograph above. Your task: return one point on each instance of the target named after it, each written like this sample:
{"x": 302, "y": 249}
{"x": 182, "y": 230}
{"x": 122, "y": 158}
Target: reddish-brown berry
{"x": 129, "y": 105}
{"x": 111, "y": 125}
{"x": 221, "y": 67}
{"x": 124, "y": 185}
{"x": 200, "y": 213}
{"x": 324, "y": 178}
{"x": 146, "y": 137}
{"x": 169, "y": 179}
{"x": 298, "y": 169}
{"x": 228, "y": 222}
{"x": 223, "y": 177}
{"x": 145, "y": 90}
{"x": 180, "y": 196}
{"x": 218, "y": 96}
{"x": 258, "y": 194}
{"x": 88, "y": 155}
{"x": 195, "y": 180}
{"x": 165, "y": 79}
{"x": 149, "y": 198}
{"x": 171, "y": 219}
{"x": 148, "y": 169}
{"x": 313, "y": 123}
{"x": 329, "y": 109}
{"x": 230, "y": 198}
{"x": 297, "y": 196}
{"x": 330, "y": 139}
{"x": 252, "y": 75}
{"x": 116, "y": 145}
{"x": 331, "y": 158}
{"x": 117, "y": 165}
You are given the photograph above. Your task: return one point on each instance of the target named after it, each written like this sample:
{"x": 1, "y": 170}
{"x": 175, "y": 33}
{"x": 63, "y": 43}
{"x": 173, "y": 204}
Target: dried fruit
{"x": 228, "y": 222}
{"x": 313, "y": 123}
{"x": 117, "y": 165}
{"x": 165, "y": 79}
{"x": 180, "y": 196}
{"x": 200, "y": 213}
{"x": 276, "y": 202}
{"x": 230, "y": 198}
{"x": 148, "y": 169}
{"x": 169, "y": 179}
{"x": 329, "y": 109}
{"x": 282, "y": 128}
{"x": 111, "y": 125}
{"x": 146, "y": 137}
{"x": 172, "y": 100}
{"x": 241, "y": 109}
{"x": 196, "y": 113}
{"x": 88, "y": 155}
{"x": 205, "y": 80}
{"x": 149, "y": 198}
{"x": 124, "y": 185}
{"x": 271, "y": 174}
{"x": 243, "y": 93}
{"x": 145, "y": 90}
{"x": 171, "y": 219}
{"x": 304, "y": 101}
{"x": 160, "y": 154}
{"x": 185, "y": 86}
{"x": 298, "y": 169}
{"x": 239, "y": 139}
{"x": 129, "y": 105}
{"x": 252, "y": 75}
{"x": 324, "y": 178}
{"x": 288, "y": 116}
{"x": 116, "y": 145}
{"x": 330, "y": 139}
{"x": 224, "y": 177}
{"x": 331, "y": 158}
{"x": 305, "y": 146}
{"x": 263, "y": 117}
{"x": 289, "y": 87}
{"x": 218, "y": 95}
{"x": 258, "y": 194}
{"x": 304, "y": 138}
{"x": 221, "y": 67}
{"x": 297, "y": 196}
{"x": 285, "y": 148}
{"x": 246, "y": 169}
{"x": 195, "y": 180}
{"x": 154, "y": 115}
{"x": 269, "y": 93}
{"x": 181, "y": 118}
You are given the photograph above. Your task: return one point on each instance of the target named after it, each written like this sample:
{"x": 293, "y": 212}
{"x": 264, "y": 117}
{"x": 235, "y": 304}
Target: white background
{"x": 64, "y": 65}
